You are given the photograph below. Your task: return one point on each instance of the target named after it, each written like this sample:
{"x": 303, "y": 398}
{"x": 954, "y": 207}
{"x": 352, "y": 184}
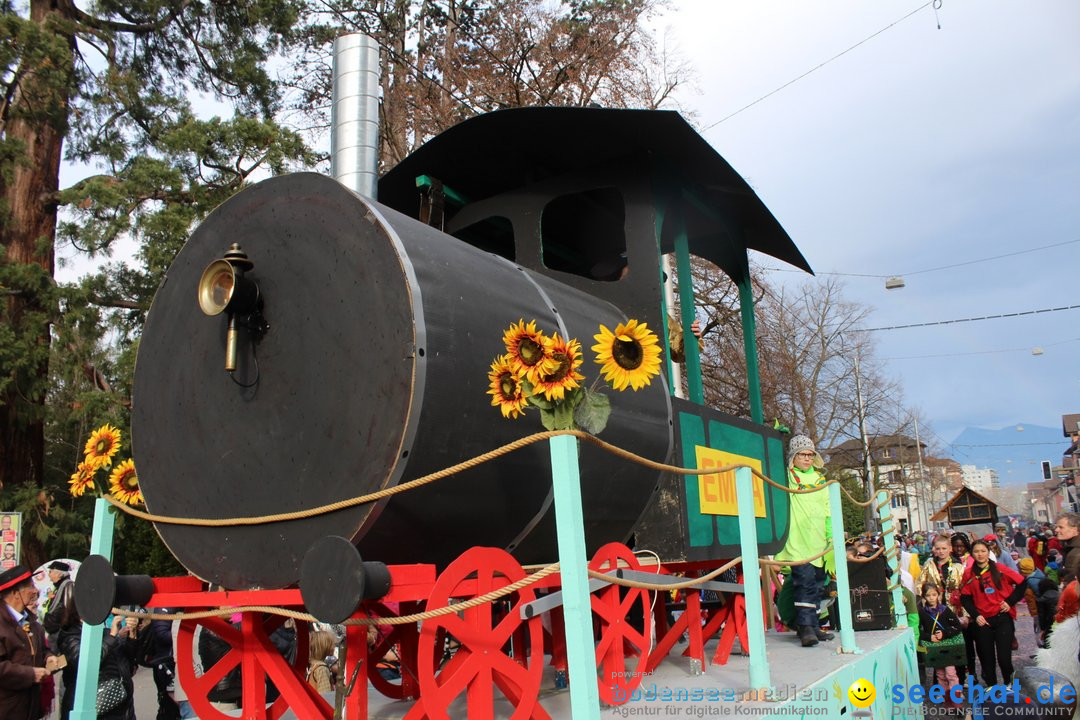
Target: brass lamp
{"x": 223, "y": 288}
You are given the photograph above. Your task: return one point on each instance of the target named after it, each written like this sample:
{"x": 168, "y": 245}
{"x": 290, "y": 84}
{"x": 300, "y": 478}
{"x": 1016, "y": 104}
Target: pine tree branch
{"x": 116, "y": 303}
{"x": 95, "y": 23}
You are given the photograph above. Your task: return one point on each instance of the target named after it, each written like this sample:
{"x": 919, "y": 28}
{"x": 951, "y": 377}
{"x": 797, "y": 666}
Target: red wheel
{"x": 486, "y": 659}
{"x": 262, "y": 660}
{"x": 618, "y": 638}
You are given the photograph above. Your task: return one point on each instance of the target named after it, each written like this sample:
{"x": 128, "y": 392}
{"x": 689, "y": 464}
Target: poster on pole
{"x": 10, "y": 547}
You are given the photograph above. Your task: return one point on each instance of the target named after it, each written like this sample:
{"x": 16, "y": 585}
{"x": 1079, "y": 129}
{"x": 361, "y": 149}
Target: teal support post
{"x": 843, "y": 587}
{"x": 749, "y": 332}
{"x": 748, "y": 546}
{"x": 892, "y": 556}
{"x": 101, "y": 543}
{"x": 658, "y": 226}
{"x": 686, "y": 305}
{"x": 574, "y": 572}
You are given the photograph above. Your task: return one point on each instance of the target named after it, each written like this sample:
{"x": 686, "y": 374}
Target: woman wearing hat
{"x": 809, "y": 533}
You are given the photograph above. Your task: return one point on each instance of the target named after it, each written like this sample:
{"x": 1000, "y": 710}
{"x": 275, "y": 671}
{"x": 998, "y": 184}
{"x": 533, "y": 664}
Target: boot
{"x": 807, "y": 636}
{"x": 823, "y": 635}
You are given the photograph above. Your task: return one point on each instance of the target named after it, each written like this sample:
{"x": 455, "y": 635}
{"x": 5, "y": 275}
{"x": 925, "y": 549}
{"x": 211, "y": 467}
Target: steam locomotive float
{"x": 357, "y": 336}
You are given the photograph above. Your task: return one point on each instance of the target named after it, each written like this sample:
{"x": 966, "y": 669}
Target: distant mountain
{"x": 1015, "y": 454}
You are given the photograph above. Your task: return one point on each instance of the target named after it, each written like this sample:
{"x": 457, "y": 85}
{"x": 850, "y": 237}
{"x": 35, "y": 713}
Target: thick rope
{"x": 220, "y": 612}
{"x": 452, "y": 470}
{"x": 859, "y": 503}
{"x": 792, "y": 563}
{"x": 624, "y": 582}
{"x": 816, "y": 488}
{"x": 868, "y": 558}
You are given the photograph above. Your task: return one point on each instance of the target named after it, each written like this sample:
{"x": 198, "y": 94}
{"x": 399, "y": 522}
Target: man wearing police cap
{"x": 24, "y": 657}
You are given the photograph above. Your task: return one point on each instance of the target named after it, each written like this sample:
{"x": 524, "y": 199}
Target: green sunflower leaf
{"x": 564, "y": 416}
{"x": 541, "y": 402}
{"x": 592, "y": 414}
{"x": 547, "y": 419}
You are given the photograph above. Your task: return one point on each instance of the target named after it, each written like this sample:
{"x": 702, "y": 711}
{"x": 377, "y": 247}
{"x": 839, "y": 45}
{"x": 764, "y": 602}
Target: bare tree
{"x": 445, "y": 61}
{"x": 810, "y": 337}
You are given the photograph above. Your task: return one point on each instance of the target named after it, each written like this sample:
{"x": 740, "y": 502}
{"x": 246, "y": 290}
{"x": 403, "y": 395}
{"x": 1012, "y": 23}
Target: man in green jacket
{"x": 809, "y": 533}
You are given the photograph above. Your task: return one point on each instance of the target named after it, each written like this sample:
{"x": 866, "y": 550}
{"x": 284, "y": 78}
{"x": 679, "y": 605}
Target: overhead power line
{"x": 1009, "y": 444}
{"x": 980, "y": 352}
{"x": 934, "y": 269}
{"x": 814, "y": 69}
{"x": 972, "y": 319}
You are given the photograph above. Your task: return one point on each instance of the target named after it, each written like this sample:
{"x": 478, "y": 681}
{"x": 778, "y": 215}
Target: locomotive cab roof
{"x": 509, "y": 160}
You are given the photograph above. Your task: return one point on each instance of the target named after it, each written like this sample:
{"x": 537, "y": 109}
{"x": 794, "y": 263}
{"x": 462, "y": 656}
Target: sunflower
{"x": 564, "y": 376}
{"x": 102, "y": 445}
{"x": 507, "y": 393}
{"x": 528, "y": 351}
{"x": 628, "y": 356}
{"x": 82, "y": 478}
{"x": 124, "y": 484}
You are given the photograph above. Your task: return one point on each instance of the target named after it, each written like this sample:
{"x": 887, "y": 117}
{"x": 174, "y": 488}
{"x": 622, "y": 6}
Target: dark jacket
{"x": 211, "y": 650}
{"x": 61, "y": 612}
{"x": 117, "y": 661}
{"x": 945, "y": 621}
{"x": 1070, "y": 565}
{"x": 1047, "y": 603}
{"x": 20, "y": 696}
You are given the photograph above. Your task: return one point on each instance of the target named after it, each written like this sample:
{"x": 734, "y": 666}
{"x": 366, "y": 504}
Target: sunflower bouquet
{"x": 98, "y": 454}
{"x": 542, "y": 371}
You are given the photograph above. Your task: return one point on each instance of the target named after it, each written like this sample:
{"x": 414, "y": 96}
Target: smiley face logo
{"x": 862, "y": 693}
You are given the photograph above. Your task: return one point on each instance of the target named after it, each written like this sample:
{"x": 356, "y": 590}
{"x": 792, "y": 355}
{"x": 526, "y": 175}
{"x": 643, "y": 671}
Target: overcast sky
{"x": 917, "y": 149}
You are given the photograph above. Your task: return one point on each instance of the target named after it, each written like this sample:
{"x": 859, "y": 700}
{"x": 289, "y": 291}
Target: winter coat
{"x": 944, "y": 620}
{"x": 20, "y": 652}
{"x": 1070, "y": 564}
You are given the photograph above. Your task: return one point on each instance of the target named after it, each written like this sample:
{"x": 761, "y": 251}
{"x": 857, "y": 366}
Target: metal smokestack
{"x": 354, "y": 117}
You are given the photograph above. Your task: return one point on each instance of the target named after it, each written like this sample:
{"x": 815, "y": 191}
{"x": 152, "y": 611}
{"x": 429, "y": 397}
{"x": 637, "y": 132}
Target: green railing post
{"x": 101, "y": 543}
{"x": 749, "y": 329}
{"x": 686, "y": 306}
{"x": 748, "y": 546}
{"x": 843, "y": 587}
{"x": 892, "y": 556}
{"x": 573, "y": 571}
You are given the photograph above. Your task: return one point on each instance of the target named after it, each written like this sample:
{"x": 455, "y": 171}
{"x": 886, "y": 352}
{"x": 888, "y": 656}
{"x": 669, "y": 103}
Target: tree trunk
{"x": 37, "y": 123}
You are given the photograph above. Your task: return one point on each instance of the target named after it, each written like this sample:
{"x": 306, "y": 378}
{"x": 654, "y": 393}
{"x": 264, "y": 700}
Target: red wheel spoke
{"x": 453, "y": 681}
{"x": 451, "y": 623}
{"x": 505, "y": 667}
{"x": 500, "y": 635}
{"x": 481, "y": 692}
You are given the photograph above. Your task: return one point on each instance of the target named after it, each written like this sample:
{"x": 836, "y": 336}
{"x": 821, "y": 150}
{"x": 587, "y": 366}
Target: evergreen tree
{"x": 110, "y": 87}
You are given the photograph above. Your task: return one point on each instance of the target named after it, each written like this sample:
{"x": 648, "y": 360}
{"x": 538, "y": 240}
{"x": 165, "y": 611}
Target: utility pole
{"x": 922, "y": 478}
{"x": 870, "y": 512}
